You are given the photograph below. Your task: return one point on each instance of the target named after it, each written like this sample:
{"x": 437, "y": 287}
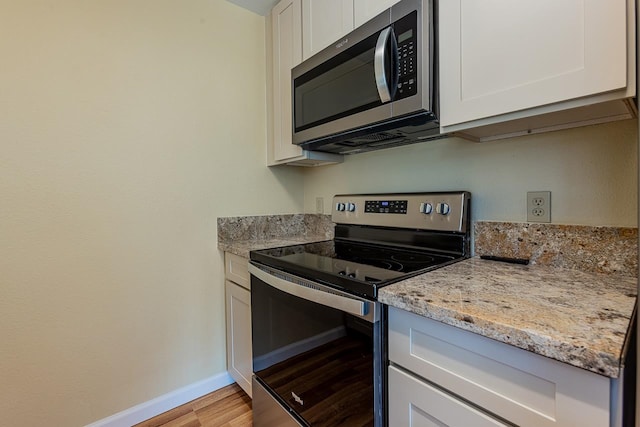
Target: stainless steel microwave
{"x": 374, "y": 88}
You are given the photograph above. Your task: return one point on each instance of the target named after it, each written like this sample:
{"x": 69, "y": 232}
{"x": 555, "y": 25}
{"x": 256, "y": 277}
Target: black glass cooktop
{"x": 353, "y": 267}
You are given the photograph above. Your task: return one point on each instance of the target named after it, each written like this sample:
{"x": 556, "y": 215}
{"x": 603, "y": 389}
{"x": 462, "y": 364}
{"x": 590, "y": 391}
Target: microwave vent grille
{"x": 368, "y": 139}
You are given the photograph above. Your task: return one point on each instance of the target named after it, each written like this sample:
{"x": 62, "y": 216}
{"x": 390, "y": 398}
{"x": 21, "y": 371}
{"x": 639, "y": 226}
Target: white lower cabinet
{"x": 416, "y": 403}
{"x": 238, "y": 315}
{"x": 440, "y": 375}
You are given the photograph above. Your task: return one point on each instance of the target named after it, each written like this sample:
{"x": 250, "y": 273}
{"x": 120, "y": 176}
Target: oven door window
{"x": 316, "y": 360}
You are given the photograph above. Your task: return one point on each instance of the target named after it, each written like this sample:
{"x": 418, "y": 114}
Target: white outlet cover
{"x": 541, "y": 211}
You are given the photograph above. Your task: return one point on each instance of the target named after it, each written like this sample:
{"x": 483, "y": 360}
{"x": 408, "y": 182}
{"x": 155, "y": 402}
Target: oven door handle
{"x": 342, "y": 303}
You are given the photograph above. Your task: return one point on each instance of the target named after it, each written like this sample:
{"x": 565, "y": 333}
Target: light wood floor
{"x": 228, "y": 407}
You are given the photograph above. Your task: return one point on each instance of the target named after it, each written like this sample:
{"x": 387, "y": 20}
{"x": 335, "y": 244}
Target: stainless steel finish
{"x": 315, "y": 292}
{"x": 267, "y": 412}
{"x": 378, "y": 61}
{"x": 418, "y": 216}
{"x": 426, "y": 99}
{"x": 422, "y": 101}
{"x": 374, "y": 115}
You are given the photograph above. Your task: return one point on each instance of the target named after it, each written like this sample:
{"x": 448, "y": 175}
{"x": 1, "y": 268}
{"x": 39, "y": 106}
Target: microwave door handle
{"x": 379, "y": 68}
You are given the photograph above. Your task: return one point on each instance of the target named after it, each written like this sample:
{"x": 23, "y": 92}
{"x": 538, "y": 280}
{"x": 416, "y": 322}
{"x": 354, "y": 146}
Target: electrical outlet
{"x": 319, "y": 205}
{"x": 539, "y": 206}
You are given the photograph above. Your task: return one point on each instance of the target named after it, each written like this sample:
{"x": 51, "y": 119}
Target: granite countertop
{"x": 580, "y": 318}
{"x": 573, "y": 303}
{"x": 241, "y": 235}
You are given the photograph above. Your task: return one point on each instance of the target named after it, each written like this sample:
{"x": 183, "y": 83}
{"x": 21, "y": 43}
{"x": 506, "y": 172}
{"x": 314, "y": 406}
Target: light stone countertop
{"x": 573, "y": 303}
{"x": 241, "y": 235}
{"x": 568, "y": 315}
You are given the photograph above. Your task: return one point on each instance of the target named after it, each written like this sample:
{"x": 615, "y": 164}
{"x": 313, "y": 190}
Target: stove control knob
{"x": 443, "y": 208}
{"x": 351, "y": 207}
{"x": 340, "y": 207}
{"x": 426, "y": 208}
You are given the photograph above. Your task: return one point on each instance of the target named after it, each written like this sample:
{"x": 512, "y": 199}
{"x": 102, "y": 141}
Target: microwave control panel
{"x": 406, "y": 30}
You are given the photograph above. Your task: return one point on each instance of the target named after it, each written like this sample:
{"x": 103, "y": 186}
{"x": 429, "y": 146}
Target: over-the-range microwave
{"x": 375, "y": 88}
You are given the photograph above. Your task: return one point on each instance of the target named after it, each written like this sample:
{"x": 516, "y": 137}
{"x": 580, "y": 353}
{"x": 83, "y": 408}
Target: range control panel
{"x": 386, "y": 206}
{"x": 427, "y": 211}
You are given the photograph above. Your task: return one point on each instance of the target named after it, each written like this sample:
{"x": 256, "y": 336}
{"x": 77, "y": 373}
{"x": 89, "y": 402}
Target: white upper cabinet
{"x": 505, "y": 56}
{"x": 367, "y": 9}
{"x": 324, "y": 22}
{"x": 285, "y": 52}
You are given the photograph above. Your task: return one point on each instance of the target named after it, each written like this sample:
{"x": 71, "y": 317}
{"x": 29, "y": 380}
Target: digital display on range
{"x": 385, "y": 206}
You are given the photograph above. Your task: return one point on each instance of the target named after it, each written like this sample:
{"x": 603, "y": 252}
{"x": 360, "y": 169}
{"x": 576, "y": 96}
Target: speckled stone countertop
{"x": 573, "y": 303}
{"x": 241, "y": 235}
{"x": 611, "y": 250}
{"x": 580, "y": 318}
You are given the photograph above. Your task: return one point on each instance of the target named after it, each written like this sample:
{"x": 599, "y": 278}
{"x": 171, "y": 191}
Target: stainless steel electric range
{"x": 318, "y": 332}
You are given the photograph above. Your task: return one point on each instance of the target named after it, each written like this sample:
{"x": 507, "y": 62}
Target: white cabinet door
{"x": 525, "y": 388}
{"x": 324, "y": 22}
{"x": 502, "y": 56}
{"x": 367, "y": 9}
{"x": 239, "y": 354}
{"x": 417, "y": 404}
{"x": 287, "y": 53}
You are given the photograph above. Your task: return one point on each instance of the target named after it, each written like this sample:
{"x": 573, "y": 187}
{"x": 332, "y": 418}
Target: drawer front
{"x": 236, "y": 269}
{"x": 517, "y": 385}
{"x": 417, "y": 404}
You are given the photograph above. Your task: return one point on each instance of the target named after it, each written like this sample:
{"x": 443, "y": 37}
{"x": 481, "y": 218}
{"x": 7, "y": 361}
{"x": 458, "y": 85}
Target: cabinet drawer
{"x": 236, "y": 269}
{"x": 525, "y": 388}
{"x": 416, "y": 403}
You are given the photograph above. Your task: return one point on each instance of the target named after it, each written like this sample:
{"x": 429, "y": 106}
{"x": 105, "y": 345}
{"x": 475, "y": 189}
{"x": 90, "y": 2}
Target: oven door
{"x": 317, "y": 352}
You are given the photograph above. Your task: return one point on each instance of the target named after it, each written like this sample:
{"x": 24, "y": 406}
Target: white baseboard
{"x": 161, "y": 404}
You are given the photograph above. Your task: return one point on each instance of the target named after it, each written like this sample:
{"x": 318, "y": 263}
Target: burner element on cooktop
{"x": 383, "y": 257}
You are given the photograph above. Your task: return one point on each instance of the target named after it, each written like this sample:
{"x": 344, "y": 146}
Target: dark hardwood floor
{"x": 228, "y": 407}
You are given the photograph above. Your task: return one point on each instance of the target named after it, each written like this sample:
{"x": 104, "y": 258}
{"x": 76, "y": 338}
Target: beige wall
{"x": 590, "y": 171}
{"x": 126, "y": 128}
